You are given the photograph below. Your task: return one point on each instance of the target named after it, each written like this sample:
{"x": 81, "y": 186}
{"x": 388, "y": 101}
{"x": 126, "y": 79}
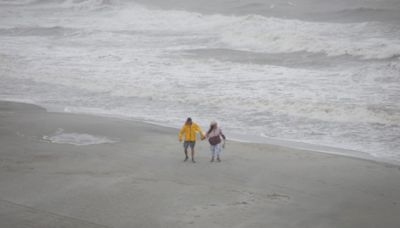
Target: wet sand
{"x": 141, "y": 180}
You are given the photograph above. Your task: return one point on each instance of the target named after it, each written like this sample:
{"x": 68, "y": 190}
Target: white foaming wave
{"x": 331, "y": 112}
{"x": 273, "y": 35}
{"x": 296, "y": 100}
{"x": 303, "y": 96}
{"x": 248, "y": 33}
{"x": 261, "y": 34}
{"x": 43, "y": 31}
{"x": 77, "y": 4}
{"x": 90, "y": 4}
{"x": 137, "y": 17}
{"x": 16, "y": 2}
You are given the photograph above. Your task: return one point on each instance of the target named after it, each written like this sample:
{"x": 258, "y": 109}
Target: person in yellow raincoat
{"x": 189, "y": 131}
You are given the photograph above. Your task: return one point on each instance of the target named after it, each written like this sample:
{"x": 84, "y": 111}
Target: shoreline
{"x": 140, "y": 180}
{"x": 297, "y": 145}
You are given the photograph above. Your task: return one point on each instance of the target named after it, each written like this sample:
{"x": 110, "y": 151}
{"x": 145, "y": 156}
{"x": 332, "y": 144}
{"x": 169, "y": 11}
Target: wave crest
{"x": 261, "y": 34}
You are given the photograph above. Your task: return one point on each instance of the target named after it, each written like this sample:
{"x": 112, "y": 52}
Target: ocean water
{"x": 307, "y": 72}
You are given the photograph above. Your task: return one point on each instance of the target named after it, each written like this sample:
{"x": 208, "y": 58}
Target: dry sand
{"x": 142, "y": 181}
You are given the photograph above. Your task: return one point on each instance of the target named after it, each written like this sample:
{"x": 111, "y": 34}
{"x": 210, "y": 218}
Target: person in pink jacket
{"x": 214, "y": 135}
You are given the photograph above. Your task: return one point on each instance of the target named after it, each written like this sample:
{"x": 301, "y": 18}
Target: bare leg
{"x": 212, "y": 148}
{"x": 218, "y": 150}
{"x": 193, "y": 155}
{"x": 186, "y": 155}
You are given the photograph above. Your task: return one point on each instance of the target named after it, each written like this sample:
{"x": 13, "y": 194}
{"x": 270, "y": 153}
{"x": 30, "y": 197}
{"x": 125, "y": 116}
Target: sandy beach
{"x": 138, "y": 179}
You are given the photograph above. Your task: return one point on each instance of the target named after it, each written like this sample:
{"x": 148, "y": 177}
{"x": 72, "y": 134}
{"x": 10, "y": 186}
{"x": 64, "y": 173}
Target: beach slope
{"x": 69, "y": 170}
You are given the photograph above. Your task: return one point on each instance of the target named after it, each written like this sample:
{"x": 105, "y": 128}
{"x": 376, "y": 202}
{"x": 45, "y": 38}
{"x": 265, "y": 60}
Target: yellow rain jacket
{"x": 190, "y": 132}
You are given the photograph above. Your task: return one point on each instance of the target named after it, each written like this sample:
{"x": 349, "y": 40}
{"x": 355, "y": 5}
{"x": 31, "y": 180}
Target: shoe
{"x": 219, "y": 160}
{"x": 193, "y": 161}
{"x": 186, "y": 159}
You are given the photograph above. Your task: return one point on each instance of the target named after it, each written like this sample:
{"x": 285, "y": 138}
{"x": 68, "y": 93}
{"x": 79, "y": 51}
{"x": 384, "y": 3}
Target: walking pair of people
{"x": 214, "y": 134}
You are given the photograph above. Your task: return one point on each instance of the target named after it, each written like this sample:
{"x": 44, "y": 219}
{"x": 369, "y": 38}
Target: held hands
{"x": 202, "y": 137}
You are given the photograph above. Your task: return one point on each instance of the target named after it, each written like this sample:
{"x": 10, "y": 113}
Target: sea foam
{"x": 77, "y": 139}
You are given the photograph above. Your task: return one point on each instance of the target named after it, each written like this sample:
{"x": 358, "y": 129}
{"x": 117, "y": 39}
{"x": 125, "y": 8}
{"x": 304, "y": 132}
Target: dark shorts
{"x": 186, "y": 144}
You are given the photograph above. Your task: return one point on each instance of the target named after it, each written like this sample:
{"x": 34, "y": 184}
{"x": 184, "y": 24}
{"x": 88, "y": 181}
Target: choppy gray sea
{"x": 318, "y": 72}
